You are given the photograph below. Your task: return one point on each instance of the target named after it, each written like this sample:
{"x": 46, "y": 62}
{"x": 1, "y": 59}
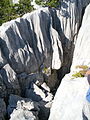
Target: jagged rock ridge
{"x": 31, "y": 46}
{"x": 70, "y": 100}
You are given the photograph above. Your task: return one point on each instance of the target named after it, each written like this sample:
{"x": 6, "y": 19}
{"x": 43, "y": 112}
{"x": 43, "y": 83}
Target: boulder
{"x": 35, "y": 93}
{"x": 22, "y": 108}
{"x": 25, "y": 80}
{"x": 38, "y": 93}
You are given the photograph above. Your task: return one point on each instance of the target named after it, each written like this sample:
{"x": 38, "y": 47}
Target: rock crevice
{"x": 34, "y": 47}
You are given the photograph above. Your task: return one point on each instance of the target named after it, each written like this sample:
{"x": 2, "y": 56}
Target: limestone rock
{"x": 26, "y": 80}
{"x": 69, "y": 18}
{"x": 3, "y": 61}
{"x": 48, "y": 41}
{"x": 9, "y": 80}
{"x": 35, "y": 93}
{"x": 38, "y": 94}
{"x": 44, "y": 110}
{"x": 82, "y": 49}
{"x": 45, "y": 37}
{"x": 44, "y": 86}
{"x": 52, "y": 80}
{"x": 22, "y": 108}
{"x": 3, "y": 90}
{"x": 2, "y": 109}
{"x": 69, "y": 101}
{"x": 27, "y": 41}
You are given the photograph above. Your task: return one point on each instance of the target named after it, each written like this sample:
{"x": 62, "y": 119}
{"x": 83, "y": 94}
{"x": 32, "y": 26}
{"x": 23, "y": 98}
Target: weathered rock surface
{"x": 22, "y": 109}
{"x": 26, "y": 80}
{"x": 9, "y": 81}
{"x": 2, "y": 109}
{"x": 39, "y": 41}
{"x": 2, "y": 59}
{"x": 42, "y": 96}
{"x": 35, "y": 93}
{"x": 70, "y": 100}
{"x": 69, "y": 19}
{"x": 41, "y": 37}
{"x": 82, "y": 48}
{"x": 28, "y": 41}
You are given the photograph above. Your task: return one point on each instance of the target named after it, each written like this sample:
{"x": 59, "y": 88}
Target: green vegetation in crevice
{"x": 82, "y": 72}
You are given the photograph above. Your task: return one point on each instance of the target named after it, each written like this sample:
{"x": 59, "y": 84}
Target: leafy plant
{"x": 9, "y": 11}
{"x": 49, "y": 3}
{"x": 79, "y": 74}
{"x": 82, "y": 72}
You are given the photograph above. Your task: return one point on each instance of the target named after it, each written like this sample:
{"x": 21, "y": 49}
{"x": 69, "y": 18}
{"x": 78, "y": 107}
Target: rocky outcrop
{"x": 70, "y": 100}
{"x": 82, "y": 50}
{"x": 43, "y": 37}
{"x": 33, "y": 47}
{"x": 22, "y": 108}
{"x": 9, "y": 82}
{"x": 28, "y": 41}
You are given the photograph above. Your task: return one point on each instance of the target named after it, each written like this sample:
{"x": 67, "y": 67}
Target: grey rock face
{"x": 34, "y": 88}
{"x": 38, "y": 94}
{"x": 3, "y": 91}
{"x": 45, "y": 37}
{"x": 9, "y": 81}
{"x": 2, "y": 109}
{"x": 28, "y": 41}
{"x": 25, "y": 80}
{"x": 2, "y": 59}
{"x": 22, "y": 109}
{"x": 69, "y": 18}
{"x": 70, "y": 100}
{"x": 35, "y": 93}
{"x": 82, "y": 49}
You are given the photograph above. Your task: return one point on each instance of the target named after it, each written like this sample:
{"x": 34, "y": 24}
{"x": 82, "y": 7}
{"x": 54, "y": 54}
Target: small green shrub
{"x": 78, "y": 74}
{"x": 82, "y": 72}
{"x": 9, "y": 11}
{"x": 45, "y": 69}
{"x": 50, "y": 3}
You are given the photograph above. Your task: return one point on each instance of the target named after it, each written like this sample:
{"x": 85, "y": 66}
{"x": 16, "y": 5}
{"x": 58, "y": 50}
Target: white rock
{"x": 69, "y": 99}
{"x": 82, "y": 47}
{"x": 22, "y": 108}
